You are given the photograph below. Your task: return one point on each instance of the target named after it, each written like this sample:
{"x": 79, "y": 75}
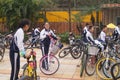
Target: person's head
{"x": 118, "y": 24}
{"x": 91, "y": 29}
{"x": 87, "y": 24}
{"x": 24, "y": 24}
{"x": 47, "y": 26}
{"x": 104, "y": 28}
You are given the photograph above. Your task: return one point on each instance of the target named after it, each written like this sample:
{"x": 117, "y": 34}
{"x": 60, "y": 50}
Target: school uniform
{"x": 15, "y": 47}
{"x": 116, "y": 33}
{"x": 45, "y": 41}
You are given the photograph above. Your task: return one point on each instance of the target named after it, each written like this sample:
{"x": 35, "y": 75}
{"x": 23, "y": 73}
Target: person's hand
{"x": 22, "y": 53}
{"x": 49, "y": 34}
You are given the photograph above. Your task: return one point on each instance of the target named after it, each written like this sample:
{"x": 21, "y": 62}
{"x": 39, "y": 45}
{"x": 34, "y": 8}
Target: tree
{"x": 15, "y": 10}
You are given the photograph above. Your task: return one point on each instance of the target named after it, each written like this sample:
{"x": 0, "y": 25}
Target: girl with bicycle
{"x": 45, "y": 35}
{"x": 17, "y": 48}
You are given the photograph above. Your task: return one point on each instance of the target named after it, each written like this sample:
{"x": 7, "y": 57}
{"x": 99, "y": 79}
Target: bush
{"x": 64, "y": 37}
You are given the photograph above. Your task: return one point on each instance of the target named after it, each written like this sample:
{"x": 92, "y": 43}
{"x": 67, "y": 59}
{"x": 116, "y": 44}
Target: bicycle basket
{"x": 92, "y": 50}
{"x": 54, "y": 50}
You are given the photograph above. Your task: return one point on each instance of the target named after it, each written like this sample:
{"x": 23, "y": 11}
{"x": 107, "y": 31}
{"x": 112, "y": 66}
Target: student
{"x": 36, "y": 31}
{"x": 89, "y": 36}
{"x": 36, "y": 35}
{"x": 17, "y": 48}
{"x": 116, "y": 32}
{"x": 45, "y": 35}
{"x": 102, "y": 36}
{"x": 86, "y": 28}
{"x": 91, "y": 40}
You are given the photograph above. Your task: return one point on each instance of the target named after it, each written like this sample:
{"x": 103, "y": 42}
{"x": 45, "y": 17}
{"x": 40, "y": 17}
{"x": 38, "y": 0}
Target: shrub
{"x": 64, "y": 37}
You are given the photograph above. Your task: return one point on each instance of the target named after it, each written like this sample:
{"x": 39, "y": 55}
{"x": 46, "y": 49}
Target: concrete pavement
{"x": 68, "y": 69}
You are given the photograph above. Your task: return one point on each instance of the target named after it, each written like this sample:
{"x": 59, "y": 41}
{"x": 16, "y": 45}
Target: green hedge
{"x": 64, "y": 37}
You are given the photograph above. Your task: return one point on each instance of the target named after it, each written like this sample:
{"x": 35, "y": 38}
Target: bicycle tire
{"x": 83, "y": 64}
{"x": 53, "y": 63}
{"x": 64, "y": 52}
{"x": 99, "y": 68}
{"x": 25, "y": 78}
{"x": 34, "y": 76}
{"x": 76, "y": 52}
{"x": 90, "y": 66}
{"x": 112, "y": 71}
{"x": 2, "y": 51}
{"x": 26, "y": 71}
{"x": 106, "y": 70}
{"x": 31, "y": 76}
{"x": 1, "y": 56}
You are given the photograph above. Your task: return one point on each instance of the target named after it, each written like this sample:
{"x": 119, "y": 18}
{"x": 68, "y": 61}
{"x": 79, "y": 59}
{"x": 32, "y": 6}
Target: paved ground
{"x": 68, "y": 69}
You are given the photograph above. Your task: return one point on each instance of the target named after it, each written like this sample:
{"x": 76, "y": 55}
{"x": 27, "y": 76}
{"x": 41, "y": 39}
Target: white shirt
{"x": 92, "y": 41}
{"x": 89, "y": 37}
{"x": 36, "y": 31}
{"x": 44, "y": 33}
{"x": 85, "y": 29}
{"x": 19, "y": 37}
{"x": 117, "y": 29}
{"x": 102, "y": 36}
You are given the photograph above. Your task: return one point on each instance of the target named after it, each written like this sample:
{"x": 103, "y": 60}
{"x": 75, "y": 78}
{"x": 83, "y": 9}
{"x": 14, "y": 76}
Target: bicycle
{"x": 29, "y": 69}
{"x": 103, "y": 65}
{"x": 87, "y": 62}
{"x": 91, "y": 54}
{"x": 74, "y": 49}
{"x": 49, "y": 64}
{"x": 4, "y": 43}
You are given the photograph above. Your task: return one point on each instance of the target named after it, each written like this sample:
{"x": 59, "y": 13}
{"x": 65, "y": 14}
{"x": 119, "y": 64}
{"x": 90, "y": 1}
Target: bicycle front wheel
{"x": 49, "y": 64}
{"x": 83, "y": 64}
{"x": 102, "y": 71}
{"x": 31, "y": 73}
{"x": 25, "y": 78}
{"x": 76, "y": 52}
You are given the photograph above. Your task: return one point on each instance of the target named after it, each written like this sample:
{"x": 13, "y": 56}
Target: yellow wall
{"x": 63, "y": 16}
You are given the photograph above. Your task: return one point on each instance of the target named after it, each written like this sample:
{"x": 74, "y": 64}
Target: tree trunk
{"x": 69, "y": 11}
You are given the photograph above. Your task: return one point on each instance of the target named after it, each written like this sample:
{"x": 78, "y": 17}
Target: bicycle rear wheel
{"x": 50, "y": 66}
{"x": 90, "y": 65}
{"x": 64, "y": 52}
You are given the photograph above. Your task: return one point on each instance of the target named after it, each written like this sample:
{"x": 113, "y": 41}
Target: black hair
{"x": 87, "y": 24}
{"x": 24, "y": 22}
{"x": 104, "y": 26}
{"x": 90, "y": 27}
{"x": 118, "y": 23}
